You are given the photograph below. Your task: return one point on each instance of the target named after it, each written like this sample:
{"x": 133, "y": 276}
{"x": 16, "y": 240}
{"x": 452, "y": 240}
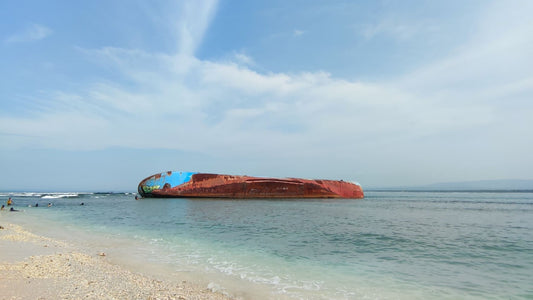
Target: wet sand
{"x": 38, "y": 267}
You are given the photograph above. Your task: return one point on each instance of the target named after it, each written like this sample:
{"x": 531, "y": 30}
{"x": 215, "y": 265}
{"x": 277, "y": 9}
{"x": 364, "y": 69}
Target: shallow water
{"x": 391, "y": 245}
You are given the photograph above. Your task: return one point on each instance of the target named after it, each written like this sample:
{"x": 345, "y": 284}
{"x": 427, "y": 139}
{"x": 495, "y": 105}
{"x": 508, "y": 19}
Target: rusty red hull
{"x": 202, "y": 185}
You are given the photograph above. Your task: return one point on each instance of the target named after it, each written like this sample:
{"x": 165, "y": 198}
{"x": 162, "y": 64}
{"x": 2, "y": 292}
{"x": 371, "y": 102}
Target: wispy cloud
{"x": 498, "y": 55}
{"x": 213, "y": 106}
{"x": 397, "y": 29}
{"x": 244, "y": 59}
{"x": 298, "y": 32}
{"x": 192, "y": 24}
{"x": 34, "y": 32}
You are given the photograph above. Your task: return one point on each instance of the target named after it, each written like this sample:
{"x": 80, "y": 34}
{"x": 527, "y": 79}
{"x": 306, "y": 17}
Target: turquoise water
{"x": 390, "y": 245}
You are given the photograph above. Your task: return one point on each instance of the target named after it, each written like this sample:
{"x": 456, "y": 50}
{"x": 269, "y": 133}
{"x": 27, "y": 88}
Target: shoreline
{"x": 38, "y": 267}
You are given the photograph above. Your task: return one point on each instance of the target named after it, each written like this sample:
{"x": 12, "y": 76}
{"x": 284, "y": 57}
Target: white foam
{"x": 60, "y": 195}
{"x": 21, "y": 194}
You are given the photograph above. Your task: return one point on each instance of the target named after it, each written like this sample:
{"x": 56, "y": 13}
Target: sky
{"x": 97, "y": 95}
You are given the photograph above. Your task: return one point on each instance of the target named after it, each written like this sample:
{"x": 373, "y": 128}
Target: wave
{"x": 21, "y": 194}
{"x": 60, "y": 195}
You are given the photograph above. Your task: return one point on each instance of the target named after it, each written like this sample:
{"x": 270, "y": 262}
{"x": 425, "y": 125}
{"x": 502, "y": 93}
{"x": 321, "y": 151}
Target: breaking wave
{"x": 60, "y": 195}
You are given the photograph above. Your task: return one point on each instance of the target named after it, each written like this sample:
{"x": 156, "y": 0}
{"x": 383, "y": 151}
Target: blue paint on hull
{"x": 170, "y": 178}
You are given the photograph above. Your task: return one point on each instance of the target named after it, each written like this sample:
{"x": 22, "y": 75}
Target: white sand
{"x": 37, "y": 267}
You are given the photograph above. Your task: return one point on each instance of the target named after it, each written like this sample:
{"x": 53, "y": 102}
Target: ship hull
{"x": 203, "y": 185}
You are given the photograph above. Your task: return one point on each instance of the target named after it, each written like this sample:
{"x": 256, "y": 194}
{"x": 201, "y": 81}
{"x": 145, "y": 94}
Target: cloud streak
{"x": 34, "y": 32}
{"x": 192, "y": 24}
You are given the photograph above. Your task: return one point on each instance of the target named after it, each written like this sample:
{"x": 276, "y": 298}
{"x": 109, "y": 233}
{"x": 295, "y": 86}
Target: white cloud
{"x": 244, "y": 59}
{"x": 401, "y": 30}
{"x": 496, "y": 62}
{"x": 34, "y": 32}
{"x": 213, "y": 106}
{"x": 298, "y": 32}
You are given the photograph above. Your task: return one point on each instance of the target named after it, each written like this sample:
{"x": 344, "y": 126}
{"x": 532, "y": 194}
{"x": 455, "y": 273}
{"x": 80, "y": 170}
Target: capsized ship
{"x": 204, "y": 185}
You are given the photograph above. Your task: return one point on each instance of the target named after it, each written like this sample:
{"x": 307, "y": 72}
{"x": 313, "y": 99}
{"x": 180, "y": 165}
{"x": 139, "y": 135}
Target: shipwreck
{"x": 173, "y": 184}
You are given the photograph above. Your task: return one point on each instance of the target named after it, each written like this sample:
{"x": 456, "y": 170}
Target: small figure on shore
{"x": 12, "y": 209}
{"x": 2, "y": 207}
{"x": 49, "y": 204}
{"x": 9, "y": 201}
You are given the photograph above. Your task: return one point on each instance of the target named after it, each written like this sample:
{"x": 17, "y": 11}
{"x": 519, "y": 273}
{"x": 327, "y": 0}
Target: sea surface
{"x": 390, "y": 245}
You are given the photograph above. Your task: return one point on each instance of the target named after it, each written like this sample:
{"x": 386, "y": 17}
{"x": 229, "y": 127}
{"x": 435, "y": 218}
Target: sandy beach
{"x": 38, "y": 267}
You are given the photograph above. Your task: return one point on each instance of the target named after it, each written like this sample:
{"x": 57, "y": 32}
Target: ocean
{"x": 389, "y": 245}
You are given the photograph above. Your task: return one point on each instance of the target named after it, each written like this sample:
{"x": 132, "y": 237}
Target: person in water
{"x": 12, "y": 209}
{"x": 9, "y": 201}
{"x": 2, "y": 207}
{"x": 49, "y": 204}
{"x": 36, "y": 204}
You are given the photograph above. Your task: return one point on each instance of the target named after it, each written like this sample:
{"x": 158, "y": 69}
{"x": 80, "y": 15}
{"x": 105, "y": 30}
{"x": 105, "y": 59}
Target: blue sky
{"x": 98, "y": 95}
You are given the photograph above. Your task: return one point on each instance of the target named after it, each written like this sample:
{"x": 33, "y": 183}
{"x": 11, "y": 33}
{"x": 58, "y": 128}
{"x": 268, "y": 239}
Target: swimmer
{"x": 2, "y": 207}
{"x": 12, "y": 209}
{"x": 49, "y": 204}
{"x": 9, "y": 201}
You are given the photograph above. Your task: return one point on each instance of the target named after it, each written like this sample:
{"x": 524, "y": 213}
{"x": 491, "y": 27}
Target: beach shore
{"x": 38, "y": 267}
